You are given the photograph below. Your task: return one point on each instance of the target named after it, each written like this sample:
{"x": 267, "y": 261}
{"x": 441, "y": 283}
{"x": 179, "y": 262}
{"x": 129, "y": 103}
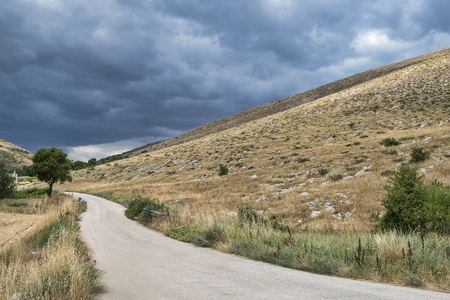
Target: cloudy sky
{"x": 99, "y": 77}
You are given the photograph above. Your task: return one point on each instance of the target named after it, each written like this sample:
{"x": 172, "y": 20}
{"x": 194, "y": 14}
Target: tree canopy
{"x": 7, "y": 184}
{"x": 51, "y": 166}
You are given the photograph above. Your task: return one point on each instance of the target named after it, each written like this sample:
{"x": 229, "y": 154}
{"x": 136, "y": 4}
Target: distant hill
{"x": 285, "y": 104}
{"x": 13, "y": 156}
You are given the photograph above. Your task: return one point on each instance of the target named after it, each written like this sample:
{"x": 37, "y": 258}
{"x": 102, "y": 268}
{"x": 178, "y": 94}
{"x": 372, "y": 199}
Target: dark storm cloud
{"x": 98, "y": 77}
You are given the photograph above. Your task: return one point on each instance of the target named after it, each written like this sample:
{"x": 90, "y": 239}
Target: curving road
{"x": 139, "y": 263}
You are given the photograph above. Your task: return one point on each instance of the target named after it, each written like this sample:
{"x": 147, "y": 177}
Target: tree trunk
{"x": 50, "y": 189}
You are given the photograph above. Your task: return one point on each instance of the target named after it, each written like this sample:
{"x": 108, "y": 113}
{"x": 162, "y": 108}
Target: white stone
{"x": 315, "y": 213}
{"x": 304, "y": 194}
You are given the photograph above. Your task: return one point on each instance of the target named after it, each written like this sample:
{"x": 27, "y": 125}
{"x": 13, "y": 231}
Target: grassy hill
{"x": 13, "y": 156}
{"x": 274, "y": 161}
{"x": 285, "y": 104}
{"x": 318, "y": 168}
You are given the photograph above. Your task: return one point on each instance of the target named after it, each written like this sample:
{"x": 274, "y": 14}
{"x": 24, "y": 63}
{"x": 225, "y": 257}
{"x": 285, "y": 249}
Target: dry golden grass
{"x": 59, "y": 269}
{"x": 13, "y": 227}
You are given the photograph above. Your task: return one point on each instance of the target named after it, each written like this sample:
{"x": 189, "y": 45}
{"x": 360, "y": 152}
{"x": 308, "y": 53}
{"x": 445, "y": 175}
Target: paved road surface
{"x": 143, "y": 264}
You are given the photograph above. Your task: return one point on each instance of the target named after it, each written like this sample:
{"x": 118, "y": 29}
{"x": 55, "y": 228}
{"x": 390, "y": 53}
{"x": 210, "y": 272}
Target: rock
{"x": 254, "y": 176}
{"x": 364, "y": 170}
{"x": 304, "y": 194}
{"x": 311, "y": 203}
{"x": 262, "y": 197}
{"x": 315, "y": 213}
{"x": 338, "y": 216}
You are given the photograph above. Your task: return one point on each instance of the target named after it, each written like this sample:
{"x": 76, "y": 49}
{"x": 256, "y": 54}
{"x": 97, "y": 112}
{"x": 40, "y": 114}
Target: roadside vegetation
{"x": 41, "y": 255}
{"x": 306, "y": 188}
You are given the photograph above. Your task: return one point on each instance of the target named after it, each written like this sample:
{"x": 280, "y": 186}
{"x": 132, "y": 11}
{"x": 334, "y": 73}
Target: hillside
{"x": 13, "y": 156}
{"x": 285, "y": 104}
{"x": 318, "y": 165}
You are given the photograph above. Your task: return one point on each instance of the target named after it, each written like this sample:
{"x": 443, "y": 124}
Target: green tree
{"x": 413, "y": 205}
{"x": 78, "y": 165}
{"x": 404, "y": 201}
{"x": 92, "y": 162}
{"x": 7, "y": 184}
{"x": 51, "y": 166}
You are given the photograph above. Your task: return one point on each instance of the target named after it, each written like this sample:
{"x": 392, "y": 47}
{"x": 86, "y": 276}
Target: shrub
{"x": 387, "y": 173}
{"x": 388, "y": 142}
{"x": 7, "y": 184}
{"x": 418, "y": 154}
{"x": 247, "y": 214}
{"x": 412, "y": 205}
{"x": 214, "y": 234}
{"x": 437, "y": 208}
{"x": 30, "y": 193}
{"x": 336, "y": 177}
{"x": 404, "y": 201}
{"x": 302, "y": 159}
{"x": 223, "y": 170}
{"x": 198, "y": 240}
{"x": 323, "y": 172}
{"x": 145, "y": 209}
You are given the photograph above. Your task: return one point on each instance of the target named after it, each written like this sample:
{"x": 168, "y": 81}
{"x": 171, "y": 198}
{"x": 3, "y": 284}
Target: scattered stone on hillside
{"x": 304, "y": 194}
{"x": 338, "y": 216}
{"x": 254, "y": 176}
{"x": 311, "y": 203}
{"x": 329, "y": 207}
{"x": 347, "y": 177}
{"x": 262, "y": 197}
{"x": 315, "y": 213}
{"x": 363, "y": 171}
{"x": 277, "y": 184}
{"x": 423, "y": 170}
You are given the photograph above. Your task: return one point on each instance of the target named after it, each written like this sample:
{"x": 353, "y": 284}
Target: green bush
{"x": 302, "y": 159}
{"x": 7, "y": 184}
{"x": 437, "y": 208}
{"x": 418, "y": 154}
{"x": 388, "y": 142}
{"x": 336, "y": 177}
{"x": 412, "y": 205}
{"x": 223, "y": 170}
{"x": 214, "y": 234}
{"x": 198, "y": 240}
{"x": 30, "y": 193}
{"x": 247, "y": 214}
{"x": 182, "y": 233}
{"x": 145, "y": 209}
{"x": 323, "y": 172}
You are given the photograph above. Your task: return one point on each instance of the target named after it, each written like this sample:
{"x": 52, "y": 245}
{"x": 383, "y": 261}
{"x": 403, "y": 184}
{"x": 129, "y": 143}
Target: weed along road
{"x": 139, "y": 263}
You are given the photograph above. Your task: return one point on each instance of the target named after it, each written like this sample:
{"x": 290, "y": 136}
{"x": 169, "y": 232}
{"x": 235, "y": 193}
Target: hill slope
{"x": 320, "y": 163}
{"x": 13, "y": 156}
{"x": 287, "y": 103}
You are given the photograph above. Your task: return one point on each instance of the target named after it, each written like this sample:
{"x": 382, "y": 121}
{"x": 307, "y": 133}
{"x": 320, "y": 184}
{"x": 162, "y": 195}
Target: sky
{"x": 100, "y": 77}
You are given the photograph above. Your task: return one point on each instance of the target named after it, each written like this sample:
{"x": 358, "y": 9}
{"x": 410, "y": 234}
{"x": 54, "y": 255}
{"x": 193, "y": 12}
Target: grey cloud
{"x": 99, "y": 72}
